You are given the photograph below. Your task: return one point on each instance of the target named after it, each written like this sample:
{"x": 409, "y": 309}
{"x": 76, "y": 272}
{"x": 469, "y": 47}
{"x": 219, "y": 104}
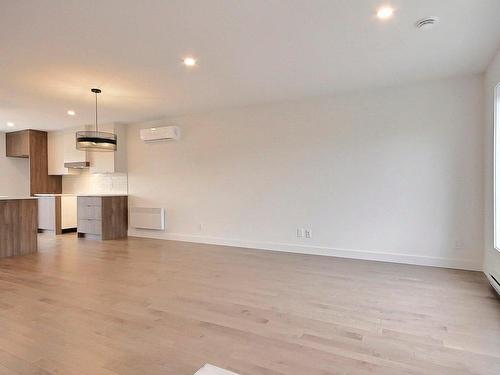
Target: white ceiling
{"x": 249, "y": 51}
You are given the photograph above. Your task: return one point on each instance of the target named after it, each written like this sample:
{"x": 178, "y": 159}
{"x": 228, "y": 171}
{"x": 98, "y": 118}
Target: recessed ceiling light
{"x": 71, "y": 112}
{"x": 189, "y": 61}
{"x": 10, "y": 124}
{"x": 385, "y": 12}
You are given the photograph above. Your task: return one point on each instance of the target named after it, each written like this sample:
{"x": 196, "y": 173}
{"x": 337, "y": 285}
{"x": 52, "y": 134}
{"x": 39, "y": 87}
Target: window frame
{"x": 496, "y": 148}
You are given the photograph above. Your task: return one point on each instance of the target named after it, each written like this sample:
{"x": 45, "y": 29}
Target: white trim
{"x": 496, "y": 98}
{"x": 383, "y": 256}
{"x": 212, "y": 370}
{"x": 493, "y": 283}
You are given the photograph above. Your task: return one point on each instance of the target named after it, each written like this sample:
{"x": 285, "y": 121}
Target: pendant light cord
{"x": 96, "y": 91}
{"x": 96, "y": 129}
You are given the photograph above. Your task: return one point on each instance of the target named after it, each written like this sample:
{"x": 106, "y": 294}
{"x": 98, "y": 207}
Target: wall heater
{"x": 147, "y": 218}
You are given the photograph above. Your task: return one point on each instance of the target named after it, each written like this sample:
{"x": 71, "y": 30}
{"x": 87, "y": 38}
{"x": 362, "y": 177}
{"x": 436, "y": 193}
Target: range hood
{"x": 77, "y": 165}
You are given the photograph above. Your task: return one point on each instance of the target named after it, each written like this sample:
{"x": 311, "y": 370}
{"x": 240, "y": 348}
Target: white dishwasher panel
{"x": 68, "y": 212}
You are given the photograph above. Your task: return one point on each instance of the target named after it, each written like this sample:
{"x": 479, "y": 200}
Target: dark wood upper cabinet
{"x": 18, "y": 144}
{"x": 32, "y": 144}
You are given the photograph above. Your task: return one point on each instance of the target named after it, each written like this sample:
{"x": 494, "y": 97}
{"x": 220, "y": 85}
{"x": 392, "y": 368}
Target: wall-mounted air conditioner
{"x": 160, "y": 134}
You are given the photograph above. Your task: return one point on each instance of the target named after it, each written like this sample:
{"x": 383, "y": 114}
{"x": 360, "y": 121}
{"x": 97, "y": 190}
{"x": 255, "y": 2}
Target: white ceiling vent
{"x": 426, "y": 23}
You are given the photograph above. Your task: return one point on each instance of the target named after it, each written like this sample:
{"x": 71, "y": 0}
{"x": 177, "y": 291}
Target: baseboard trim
{"x": 494, "y": 282}
{"x": 470, "y": 265}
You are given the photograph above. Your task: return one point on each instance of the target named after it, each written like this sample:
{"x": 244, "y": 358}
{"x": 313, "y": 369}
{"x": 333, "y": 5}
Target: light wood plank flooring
{"x": 141, "y": 306}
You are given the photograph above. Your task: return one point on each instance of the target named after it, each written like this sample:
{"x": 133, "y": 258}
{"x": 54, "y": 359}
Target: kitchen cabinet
{"x": 62, "y": 149}
{"x": 111, "y": 162}
{"x": 18, "y": 226}
{"x": 57, "y": 213}
{"x": 68, "y": 212}
{"x": 17, "y": 144}
{"x": 32, "y": 144}
{"x": 55, "y": 153}
{"x": 103, "y": 217}
{"x": 49, "y": 209}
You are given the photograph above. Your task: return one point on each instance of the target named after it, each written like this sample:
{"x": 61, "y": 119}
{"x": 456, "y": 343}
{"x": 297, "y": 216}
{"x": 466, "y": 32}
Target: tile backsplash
{"x": 94, "y": 183}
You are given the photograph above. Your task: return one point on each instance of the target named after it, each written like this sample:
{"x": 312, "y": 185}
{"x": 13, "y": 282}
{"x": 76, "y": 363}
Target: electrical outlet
{"x": 308, "y": 233}
{"x": 459, "y": 244}
{"x": 200, "y": 227}
{"x": 300, "y": 232}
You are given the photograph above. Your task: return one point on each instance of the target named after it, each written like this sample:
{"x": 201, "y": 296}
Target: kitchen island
{"x": 103, "y": 216}
{"x": 18, "y": 226}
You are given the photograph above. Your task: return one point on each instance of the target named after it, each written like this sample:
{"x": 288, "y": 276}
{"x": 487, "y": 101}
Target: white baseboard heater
{"x": 147, "y": 218}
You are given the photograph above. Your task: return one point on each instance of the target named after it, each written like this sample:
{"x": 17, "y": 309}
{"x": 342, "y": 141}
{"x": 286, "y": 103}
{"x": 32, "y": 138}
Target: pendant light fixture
{"x": 94, "y": 140}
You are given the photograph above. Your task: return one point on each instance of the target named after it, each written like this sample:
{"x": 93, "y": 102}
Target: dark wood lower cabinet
{"x": 18, "y": 227}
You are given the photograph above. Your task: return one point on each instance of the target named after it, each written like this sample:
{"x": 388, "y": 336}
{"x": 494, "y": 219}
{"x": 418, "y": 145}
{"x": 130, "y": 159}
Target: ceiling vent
{"x": 426, "y": 23}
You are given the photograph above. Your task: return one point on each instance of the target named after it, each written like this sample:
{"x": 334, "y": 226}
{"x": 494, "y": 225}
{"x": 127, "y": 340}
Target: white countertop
{"x": 55, "y": 195}
{"x": 80, "y": 195}
{"x": 3, "y": 198}
{"x": 102, "y": 195}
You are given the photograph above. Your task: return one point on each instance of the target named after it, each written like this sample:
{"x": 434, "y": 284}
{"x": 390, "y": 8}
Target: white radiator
{"x": 147, "y": 218}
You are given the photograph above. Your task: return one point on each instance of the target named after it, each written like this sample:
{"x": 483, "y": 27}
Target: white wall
{"x": 393, "y": 174}
{"x": 492, "y": 256}
{"x": 14, "y": 174}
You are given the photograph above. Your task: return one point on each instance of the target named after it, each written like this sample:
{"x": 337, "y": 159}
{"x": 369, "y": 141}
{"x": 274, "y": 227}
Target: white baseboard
{"x": 212, "y": 370}
{"x": 493, "y": 283}
{"x": 465, "y": 264}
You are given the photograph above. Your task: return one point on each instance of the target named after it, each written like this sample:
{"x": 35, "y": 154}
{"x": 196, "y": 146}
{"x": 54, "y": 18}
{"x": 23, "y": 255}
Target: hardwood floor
{"x": 141, "y": 306}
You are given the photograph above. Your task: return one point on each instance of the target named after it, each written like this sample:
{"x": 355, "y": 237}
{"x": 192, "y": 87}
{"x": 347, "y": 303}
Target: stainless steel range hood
{"x": 77, "y": 165}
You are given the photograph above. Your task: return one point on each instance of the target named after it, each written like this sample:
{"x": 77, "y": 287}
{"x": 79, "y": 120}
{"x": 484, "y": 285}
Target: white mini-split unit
{"x": 163, "y": 133}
